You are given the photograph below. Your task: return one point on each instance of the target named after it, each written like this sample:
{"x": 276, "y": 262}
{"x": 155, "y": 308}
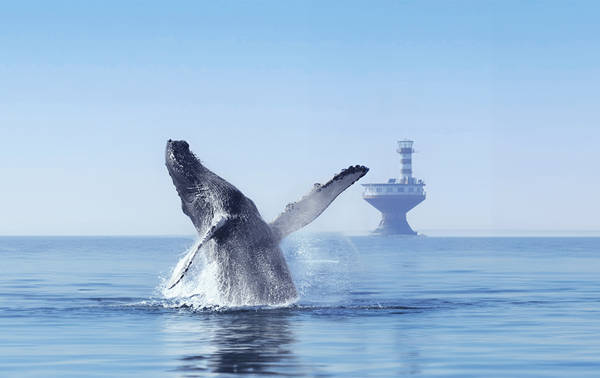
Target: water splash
{"x": 206, "y": 286}
{"x": 320, "y": 266}
{"x": 200, "y": 288}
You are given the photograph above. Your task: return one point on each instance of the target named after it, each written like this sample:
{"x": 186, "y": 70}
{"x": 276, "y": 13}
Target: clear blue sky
{"x": 501, "y": 98}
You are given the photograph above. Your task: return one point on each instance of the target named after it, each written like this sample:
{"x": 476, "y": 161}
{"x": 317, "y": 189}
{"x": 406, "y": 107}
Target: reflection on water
{"x": 265, "y": 342}
{"x": 236, "y": 342}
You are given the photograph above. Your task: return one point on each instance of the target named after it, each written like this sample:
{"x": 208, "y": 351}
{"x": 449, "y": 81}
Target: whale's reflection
{"x": 237, "y": 342}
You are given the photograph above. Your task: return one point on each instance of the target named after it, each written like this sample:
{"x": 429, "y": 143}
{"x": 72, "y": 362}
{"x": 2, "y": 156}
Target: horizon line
{"x": 440, "y": 232}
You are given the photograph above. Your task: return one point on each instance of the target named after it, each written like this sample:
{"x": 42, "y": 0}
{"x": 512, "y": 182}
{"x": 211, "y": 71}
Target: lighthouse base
{"x": 393, "y": 210}
{"x": 394, "y": 224}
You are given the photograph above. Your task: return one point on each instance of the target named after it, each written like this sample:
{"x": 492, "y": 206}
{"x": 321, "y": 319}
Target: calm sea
{"x": 387, "y": 306}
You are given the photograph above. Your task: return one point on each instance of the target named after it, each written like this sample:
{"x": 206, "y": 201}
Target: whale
{"x": 233, "y": 236}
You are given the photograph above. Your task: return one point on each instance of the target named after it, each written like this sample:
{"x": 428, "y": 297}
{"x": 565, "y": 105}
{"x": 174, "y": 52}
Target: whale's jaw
{"x": 196, "y": 186}
{"x": 182, "y": 164}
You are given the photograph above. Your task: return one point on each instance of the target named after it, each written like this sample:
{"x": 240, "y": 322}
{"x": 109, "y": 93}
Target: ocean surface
{"x": 368, "y": 306}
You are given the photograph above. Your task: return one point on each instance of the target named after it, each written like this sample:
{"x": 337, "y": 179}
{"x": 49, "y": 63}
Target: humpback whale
{"x": 251, "y": 269}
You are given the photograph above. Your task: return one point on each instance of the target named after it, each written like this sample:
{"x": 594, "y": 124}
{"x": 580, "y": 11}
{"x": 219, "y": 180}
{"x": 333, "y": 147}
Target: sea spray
{"x": 320, "y": 264}
{"x": 200, "y": 288}
{"x": 206, "y": 284}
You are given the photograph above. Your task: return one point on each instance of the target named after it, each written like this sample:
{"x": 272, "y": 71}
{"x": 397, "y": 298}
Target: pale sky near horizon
{"x": 501, "y": 98}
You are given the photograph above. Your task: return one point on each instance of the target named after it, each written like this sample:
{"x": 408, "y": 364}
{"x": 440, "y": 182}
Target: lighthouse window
{"x": 411, "y": 189}
{"x": 378, "y": 190}
{"x": 389, "y": 190}
{"x": 401, "y": 189}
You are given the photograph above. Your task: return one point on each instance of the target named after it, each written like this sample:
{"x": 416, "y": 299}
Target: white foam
{"x": 199, "y": 288}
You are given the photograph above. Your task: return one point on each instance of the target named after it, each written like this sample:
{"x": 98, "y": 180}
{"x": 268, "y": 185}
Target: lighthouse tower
{"x": 405, "y": 149}
{"x": 398, "y": 196}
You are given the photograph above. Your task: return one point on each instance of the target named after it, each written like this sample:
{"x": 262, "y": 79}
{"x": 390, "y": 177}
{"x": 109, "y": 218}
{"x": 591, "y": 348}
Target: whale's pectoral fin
{"x": 308, "y": 208}
{"x": 184, "y": 264}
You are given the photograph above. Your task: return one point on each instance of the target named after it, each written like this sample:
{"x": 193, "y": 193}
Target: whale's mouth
{"x": 178, "y": 152}
{"x": 180, "y": 161}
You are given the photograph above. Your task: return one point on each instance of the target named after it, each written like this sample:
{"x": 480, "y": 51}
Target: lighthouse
{"x": 398, "y": 196}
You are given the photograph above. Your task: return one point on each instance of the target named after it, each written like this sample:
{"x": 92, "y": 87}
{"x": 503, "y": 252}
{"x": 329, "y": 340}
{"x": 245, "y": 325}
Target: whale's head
{"x": 182, "y": 164}
{"x": 191, "y": 179}
{"x": 205, "y": 197}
